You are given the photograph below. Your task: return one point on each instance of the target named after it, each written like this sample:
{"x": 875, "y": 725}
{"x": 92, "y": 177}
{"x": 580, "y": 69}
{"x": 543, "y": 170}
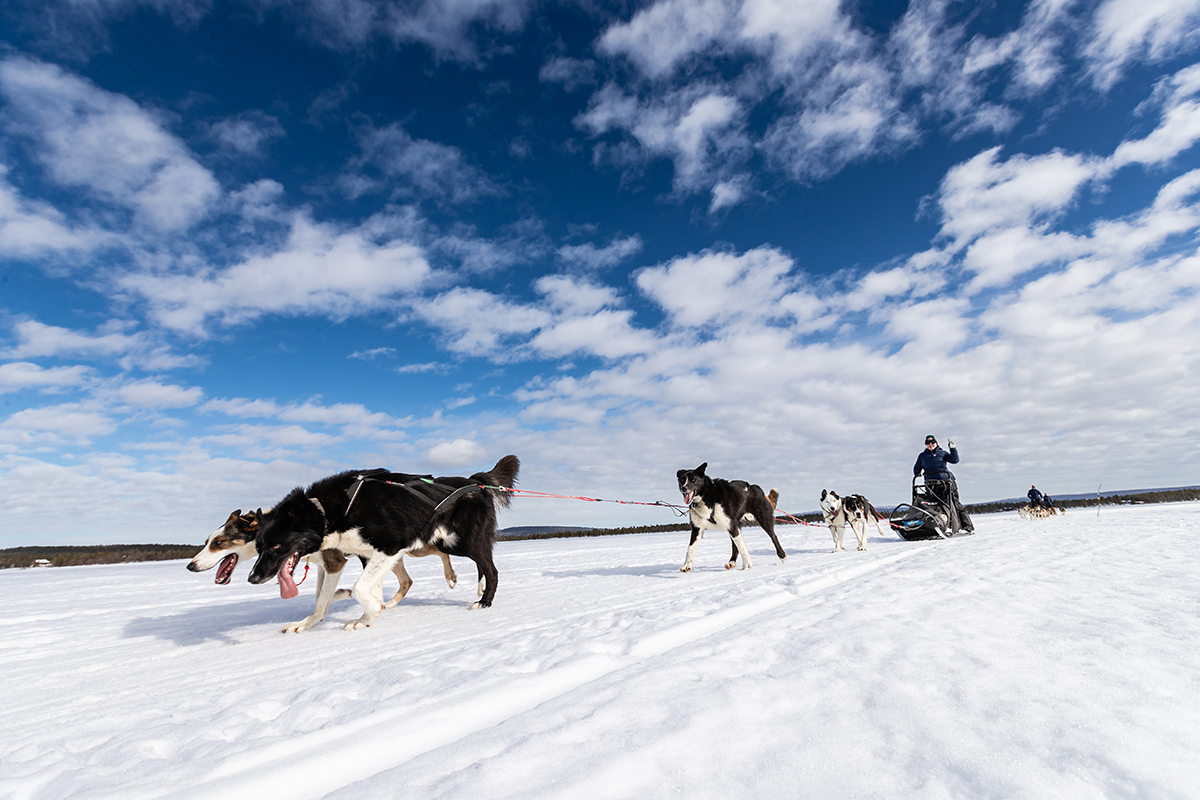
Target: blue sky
{"x": 244, "y": 245}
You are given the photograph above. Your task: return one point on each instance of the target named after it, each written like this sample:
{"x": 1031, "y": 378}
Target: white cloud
{"x": 320, "y": 270}
{"x": 1179, "y": 128}
{"x": 349, "y": 414}
{"x": 64, "y": 424}
{"x": 110, "y": 341}
{"x": 395, "y": 163}
{"x": 20, "y": 375}
{"x": 479, "y": 321}
{"x": 32, "y": 229}
{"x": 373, "y": 353}
{"x": 699, "y": 128}
{"x": 246, "y": 133}
{"x": 572, "y": 73}
{"x": 105, "y": 143}
{"x": 661, "y": 36}
{"x": 155, "y": 394}
{"x": 590, "y": 257}
{"x": 1125, "y": 30}
{"x": 984, "y": 193}
{"x": 719, "y": 288}
{"x": 456, "y": 453}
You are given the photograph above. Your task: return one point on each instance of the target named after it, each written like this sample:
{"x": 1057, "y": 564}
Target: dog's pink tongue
{"x": 687, "y": 498}
{"x": 287, "y": 586}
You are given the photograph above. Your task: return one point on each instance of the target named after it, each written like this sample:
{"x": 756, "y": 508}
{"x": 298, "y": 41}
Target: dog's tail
{"x": 503, "y": 475}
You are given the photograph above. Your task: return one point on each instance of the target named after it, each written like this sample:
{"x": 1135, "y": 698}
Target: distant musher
{"x": 1036, "y": 498}
{"x": 932, "y": 464}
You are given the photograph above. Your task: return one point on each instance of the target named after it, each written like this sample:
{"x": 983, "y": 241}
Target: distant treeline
{"x": 74, "y": 556}
{"x": 70, "y": 556}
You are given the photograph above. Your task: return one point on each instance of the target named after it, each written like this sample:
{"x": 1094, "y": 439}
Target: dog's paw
{"x": 686, "y": 568}
{"x": 478, "y": 604}
{"x": 862, "y": 548}
{"x": 358, "y": 624}
{"x": 452, "y": 580}
{"x": 298, "y": 627}
{"x": 341, "y": 594}
{"x": 730, "y": 564}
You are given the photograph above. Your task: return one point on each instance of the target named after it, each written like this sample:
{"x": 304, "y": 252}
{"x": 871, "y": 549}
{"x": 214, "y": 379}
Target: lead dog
{"x": 382, "y": 520}
{"x": 235, "y": 541}
{"x": 718, "y": 504}
{"x": 853, "y": 510}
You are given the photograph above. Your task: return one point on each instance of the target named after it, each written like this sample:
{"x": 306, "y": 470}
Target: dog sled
{"x": 931, "y": 515}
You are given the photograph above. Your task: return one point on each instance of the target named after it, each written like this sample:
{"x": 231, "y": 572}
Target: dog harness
{"x": 353, "y": 489}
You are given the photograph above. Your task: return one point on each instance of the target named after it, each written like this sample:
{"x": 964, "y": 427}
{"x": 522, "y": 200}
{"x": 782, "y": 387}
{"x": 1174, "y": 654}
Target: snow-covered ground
{"x": 1050, "y": 658}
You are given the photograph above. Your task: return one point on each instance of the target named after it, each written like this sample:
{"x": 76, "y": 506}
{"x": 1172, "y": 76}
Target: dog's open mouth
{"x": 687, "y": 497}
{"x": 287, "y": 586}
{"x": 225, "y": 569}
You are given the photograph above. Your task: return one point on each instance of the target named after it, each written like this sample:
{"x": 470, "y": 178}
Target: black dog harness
{"x": 352, "y": 490}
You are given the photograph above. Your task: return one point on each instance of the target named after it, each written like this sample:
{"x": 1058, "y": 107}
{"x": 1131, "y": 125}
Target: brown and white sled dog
{"x": 235, "y": 541}
{"x": 382, "y": 520}
{"x": 853, "y": 510}
{"x": 718, "y": 504}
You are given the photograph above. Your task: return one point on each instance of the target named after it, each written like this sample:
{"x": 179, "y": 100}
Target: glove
{"x": 951, "y": 443}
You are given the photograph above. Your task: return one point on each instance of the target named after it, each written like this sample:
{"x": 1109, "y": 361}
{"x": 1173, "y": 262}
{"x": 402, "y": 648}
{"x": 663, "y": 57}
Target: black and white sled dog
{"x": 382, "y": 520}
{"x": 853, "y": 510}
{"x": 234, "y": 542}
{"x": 718, "y": 504}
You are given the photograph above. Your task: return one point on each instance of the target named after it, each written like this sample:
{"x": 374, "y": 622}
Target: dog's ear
{"x": 258, "y": 516}
{"x": 700, "y": 469}
{"x": 823, "y": 493}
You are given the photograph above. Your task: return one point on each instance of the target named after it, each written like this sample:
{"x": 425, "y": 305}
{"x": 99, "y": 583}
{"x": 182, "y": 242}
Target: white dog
{"x": 853, "y": 510}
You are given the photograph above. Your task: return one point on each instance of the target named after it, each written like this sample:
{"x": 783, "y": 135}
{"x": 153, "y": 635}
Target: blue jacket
{"x": 933, "y": 464}
{"x": 1035, "y": 495}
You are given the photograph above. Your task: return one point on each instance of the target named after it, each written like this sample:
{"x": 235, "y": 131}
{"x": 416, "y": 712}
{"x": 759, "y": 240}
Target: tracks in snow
{"x": 320, "y": 762}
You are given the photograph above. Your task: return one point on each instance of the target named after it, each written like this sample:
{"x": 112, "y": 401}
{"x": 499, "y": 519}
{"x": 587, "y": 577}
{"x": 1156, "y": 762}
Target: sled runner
{"x": 931, "y": 515}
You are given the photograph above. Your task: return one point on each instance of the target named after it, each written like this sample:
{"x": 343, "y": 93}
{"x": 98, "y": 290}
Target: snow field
{"x": 1037, "y": 658}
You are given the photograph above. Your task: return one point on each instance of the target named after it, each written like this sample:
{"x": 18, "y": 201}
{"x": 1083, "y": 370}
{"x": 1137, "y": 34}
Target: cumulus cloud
{"x": 456, "y": 453}
{"x": 114, "y": 340}
{"x": 320, "y": 270}
{"x": 714, "y": 287}
{"x": 20, "y": 375}
{"x": 104, "y": 143}
{"x": 158, "y": 395}
{"x": 64, "y": 424}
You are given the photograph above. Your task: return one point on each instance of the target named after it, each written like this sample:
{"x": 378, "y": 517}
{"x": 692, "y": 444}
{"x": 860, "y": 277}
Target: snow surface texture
{"x": 1043, "y": 658}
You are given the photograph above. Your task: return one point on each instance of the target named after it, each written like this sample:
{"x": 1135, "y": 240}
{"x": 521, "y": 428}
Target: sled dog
{"x": 233, "y": 542}
{"x": 718, "y": 504}
{"x": 381, "y": 521}
{"x": 853, "y": 510}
